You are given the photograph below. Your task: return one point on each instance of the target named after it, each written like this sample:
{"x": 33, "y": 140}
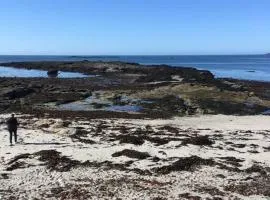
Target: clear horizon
{"x": 94, "y": 28}
{"x": 103, "y": 55}
{"x": 80, "y": 55}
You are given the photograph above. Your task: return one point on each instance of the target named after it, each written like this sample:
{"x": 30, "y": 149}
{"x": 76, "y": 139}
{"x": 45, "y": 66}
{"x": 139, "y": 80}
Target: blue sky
{"x": 134, "y": 27}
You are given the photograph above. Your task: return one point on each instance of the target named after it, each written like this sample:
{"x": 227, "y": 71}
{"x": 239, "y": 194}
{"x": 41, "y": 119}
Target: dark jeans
{"x": 14, "y": 131}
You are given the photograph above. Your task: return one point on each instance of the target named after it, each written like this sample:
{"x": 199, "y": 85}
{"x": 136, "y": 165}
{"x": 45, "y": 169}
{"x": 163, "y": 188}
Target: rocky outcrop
{"x": 165, "y": 73}
{"x": 52, "y": 73}
{"x": 148, "y": 73}
{"x": 18, "y": 92}
{"x": 154, "y": 87}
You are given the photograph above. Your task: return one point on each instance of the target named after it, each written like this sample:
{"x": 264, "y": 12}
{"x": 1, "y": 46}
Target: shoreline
{"x": 195, "y": 137}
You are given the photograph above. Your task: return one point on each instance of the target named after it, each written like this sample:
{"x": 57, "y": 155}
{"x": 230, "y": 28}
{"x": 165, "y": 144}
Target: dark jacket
{"x": 12, "y": 123}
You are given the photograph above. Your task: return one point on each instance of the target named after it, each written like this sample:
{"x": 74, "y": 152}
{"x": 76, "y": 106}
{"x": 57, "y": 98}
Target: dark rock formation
{"x": 169, "y": 104}
{"x": 18, "y": 93}
{"x": 52, "y": 73}
{"x": 124, "y": 79}
{"x": 149, "y": 73}
{"x": 229, "y": 108}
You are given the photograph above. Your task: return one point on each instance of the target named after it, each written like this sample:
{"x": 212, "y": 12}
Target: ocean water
{"x": 249, "y": 67}
{"x": 26, "y": 73}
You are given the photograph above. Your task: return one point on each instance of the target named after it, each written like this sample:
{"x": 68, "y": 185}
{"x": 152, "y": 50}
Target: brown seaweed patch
{"x": 16, "y": 165}
{"x": 131, "y": 154}
{"x": 198, "y": 140}
{"x": 55, "y": 161}
{"x": 238, "y": 145}
{"x": 18, "y": 157}
{"x": 79, "y": 134}
{"x": 213, "y": 191}
{"x": 258, "y": 169}
{"x": 139, "y": 140}
{"x": 130, "y": 139}
{"x": 232, "y": 160}
{"x": 185, "y": 164}
{"x": 169, "y": 129}
{"x": 259, "y": 186}
{"x": 70, "y": 192}
{"x": 4, "y": 176}
{"x": 189, "y": 196}
{"x": 267, "y": 148}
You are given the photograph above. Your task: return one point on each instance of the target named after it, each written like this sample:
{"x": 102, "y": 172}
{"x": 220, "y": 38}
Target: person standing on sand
{"x": 12, "y": 125}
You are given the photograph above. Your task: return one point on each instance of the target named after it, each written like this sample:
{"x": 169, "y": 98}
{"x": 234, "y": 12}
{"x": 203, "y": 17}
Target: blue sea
{"x": 248, "y": 67}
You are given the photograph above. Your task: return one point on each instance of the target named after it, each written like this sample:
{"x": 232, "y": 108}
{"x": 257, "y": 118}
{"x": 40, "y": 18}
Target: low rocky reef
{"x": 130, "y": 90}
{"x": 146, "y": 73}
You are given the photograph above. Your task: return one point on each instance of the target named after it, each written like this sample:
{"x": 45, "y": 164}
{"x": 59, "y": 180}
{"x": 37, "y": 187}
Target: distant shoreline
{"x": 222, "y": 66}
{"x": 119, "y": 55}
{"x": 61, "y": 65}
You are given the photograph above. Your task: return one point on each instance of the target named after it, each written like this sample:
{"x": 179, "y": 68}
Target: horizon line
{"x": 111, "y": 55}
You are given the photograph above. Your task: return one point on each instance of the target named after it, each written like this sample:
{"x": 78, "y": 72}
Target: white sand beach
{"x": 201, "y": 157}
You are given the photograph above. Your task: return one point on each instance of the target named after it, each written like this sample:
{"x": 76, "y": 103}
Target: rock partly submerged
{"x": 52, "y": 73}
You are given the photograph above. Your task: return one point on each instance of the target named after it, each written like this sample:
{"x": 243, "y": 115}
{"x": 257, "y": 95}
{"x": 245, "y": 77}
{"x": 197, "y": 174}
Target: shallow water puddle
{"x": 125, "y": 108}
{"x": 98, "y": 102}
{"x": 267, "y": 112}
